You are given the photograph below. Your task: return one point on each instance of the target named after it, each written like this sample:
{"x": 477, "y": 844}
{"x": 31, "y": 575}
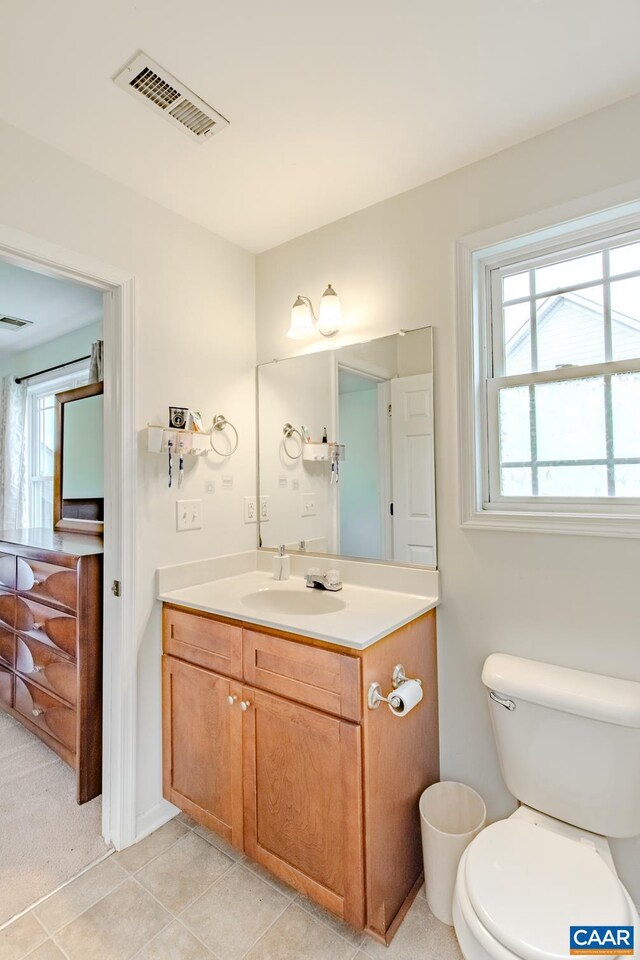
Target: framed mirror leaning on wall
{"x": 78, "y": 472}
{"x": 346, "y": 451}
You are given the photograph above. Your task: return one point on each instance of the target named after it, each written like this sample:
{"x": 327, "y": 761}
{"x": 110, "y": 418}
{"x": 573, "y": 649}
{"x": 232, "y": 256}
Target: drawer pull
{"x": 231, "y": 700}
{"x": 37, "y": 711}
{"x": 244, "y": 705}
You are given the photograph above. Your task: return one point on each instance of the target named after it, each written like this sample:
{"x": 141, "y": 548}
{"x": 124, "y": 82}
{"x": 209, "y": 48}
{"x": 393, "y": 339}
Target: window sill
{"x": 577, "y": 524}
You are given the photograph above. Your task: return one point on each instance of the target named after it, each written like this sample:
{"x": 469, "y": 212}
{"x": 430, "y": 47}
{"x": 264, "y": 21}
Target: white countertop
{"x": 370, "y": 613}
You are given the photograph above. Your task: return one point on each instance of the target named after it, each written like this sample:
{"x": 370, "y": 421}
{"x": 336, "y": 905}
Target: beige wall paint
{"x": 195, "y": 343}
{"x": 568, "y": 600}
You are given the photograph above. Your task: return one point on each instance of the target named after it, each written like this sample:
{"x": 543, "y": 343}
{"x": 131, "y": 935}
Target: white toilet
{"x": 569, "y": 748}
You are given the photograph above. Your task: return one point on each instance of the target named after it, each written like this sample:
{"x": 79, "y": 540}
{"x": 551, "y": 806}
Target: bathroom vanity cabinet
{"x": 268, "y": 741}
{"x": 51, "y": 645}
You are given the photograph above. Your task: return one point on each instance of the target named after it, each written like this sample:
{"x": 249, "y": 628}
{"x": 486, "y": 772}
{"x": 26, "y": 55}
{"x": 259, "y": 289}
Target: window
{"x": 556, "y": 369}
{"x": 41, "y": 439}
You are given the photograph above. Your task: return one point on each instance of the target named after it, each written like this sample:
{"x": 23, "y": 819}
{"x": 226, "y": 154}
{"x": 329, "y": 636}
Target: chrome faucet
{"x": 323, "y": 581}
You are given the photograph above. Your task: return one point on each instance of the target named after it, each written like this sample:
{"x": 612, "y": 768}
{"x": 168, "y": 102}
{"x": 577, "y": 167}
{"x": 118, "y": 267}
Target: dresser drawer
{"x": 48, "y": 582}
{"x": 48, "y": 713}
{"x": 40, "y": 663}
{"x": 7, "y": 608}
{"x": 202, "y": 641}
{"x": 49, "y": 626}
{"x": 7, "y": 570}
{"x": 319, "y": 678}
{"x": 6, "y": 687}
{"x": 7, "y": 647}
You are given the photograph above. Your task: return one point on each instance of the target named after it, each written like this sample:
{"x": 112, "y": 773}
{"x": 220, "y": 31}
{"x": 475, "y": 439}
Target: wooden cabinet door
{"x": 303, "y": 800}
{"x": 202, "y": 747}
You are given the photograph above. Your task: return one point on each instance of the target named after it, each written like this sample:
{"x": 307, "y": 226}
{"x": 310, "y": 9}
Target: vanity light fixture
{"x": 304, "y": 322}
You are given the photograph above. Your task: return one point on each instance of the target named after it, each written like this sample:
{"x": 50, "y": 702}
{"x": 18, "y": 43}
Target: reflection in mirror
{"x": 79, "y": 460}
{"x": 346, "y": 455}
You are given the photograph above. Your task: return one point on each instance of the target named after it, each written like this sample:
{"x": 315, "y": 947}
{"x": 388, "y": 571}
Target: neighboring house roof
{"x": 570, "y": 330}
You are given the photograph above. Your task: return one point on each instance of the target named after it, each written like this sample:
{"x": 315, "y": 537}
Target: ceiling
{"x": 54, "y": 306}
{"x": 333, "y": 106}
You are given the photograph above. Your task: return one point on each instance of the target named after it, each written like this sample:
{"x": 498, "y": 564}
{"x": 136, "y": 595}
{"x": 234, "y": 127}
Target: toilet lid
{"x": 528, "y": 885}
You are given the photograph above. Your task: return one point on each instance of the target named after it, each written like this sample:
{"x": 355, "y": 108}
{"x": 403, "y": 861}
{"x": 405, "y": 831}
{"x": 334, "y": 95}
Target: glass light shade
{"x": 301, "y": 321}
{"x": 330, "y": 315}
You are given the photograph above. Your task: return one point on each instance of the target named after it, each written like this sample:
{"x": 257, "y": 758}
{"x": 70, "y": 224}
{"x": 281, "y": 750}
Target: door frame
{"x": 120, "y": 641}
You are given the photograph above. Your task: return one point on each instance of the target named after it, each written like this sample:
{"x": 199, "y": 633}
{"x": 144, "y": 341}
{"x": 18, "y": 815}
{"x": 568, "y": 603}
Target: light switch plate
{"x": 308, "y": 504}
{"x": 189, "y": 515}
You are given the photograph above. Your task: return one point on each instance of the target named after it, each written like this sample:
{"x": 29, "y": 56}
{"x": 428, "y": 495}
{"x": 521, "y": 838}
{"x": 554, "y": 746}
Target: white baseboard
{"x": 154, "y": 818}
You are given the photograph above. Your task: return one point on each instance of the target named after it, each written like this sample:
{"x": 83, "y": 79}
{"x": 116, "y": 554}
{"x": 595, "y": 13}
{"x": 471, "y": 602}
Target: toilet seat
{"x": 525, "y": 885}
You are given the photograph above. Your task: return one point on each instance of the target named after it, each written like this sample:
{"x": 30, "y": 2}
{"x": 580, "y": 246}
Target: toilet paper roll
{"x": 405, "y": 697}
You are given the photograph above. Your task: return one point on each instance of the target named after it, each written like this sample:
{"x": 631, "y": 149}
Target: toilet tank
{"x": 568, "y": 742}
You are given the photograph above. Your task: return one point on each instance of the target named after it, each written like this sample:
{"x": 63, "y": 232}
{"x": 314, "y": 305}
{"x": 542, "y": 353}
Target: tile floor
{"x": 184, "y": 894}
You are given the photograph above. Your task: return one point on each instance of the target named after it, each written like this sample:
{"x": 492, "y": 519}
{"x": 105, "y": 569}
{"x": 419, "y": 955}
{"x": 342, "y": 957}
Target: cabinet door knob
{"x": 36, "y": 626}
{"x": 37, "y": 711}
{"x": 38, "y": 667}
{"x": 231, "y": 700}
{"x": 245, "y": 704}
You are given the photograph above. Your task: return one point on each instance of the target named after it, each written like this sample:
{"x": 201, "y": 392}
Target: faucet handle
{"x": 333, "y": 577}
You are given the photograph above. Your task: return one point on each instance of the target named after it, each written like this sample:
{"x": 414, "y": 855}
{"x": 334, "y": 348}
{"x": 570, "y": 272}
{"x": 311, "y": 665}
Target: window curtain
{"x": 13, "y": 455}
{"x": 96, "y": 369}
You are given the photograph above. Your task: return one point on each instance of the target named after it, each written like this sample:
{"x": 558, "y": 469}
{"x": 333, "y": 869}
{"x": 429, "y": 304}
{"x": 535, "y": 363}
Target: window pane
{"x": 517, "y": 339}
{"x": 570, "y": 421}
{"x": 625, "y": 318}
{"x": 515, "y": 438}
{"x": 578, "y": 481}
{"x": 516, "y": 286}
{"x": 570, "y": 329}
{"x": 624, "y": 259}
{"x": 625, "y": 401}
{"x": 569, "y": 272}
{"x": 628, "y": 480}
{"x": 515, "y": 481}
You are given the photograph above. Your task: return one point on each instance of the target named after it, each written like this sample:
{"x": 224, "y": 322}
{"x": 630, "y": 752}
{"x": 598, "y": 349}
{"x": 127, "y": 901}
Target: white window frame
{"x": 73, "y": 375}
{"x": 477, "y": 257}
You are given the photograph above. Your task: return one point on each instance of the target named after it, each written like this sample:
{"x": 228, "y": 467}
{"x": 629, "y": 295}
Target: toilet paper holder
{"x": 375, "y": 696}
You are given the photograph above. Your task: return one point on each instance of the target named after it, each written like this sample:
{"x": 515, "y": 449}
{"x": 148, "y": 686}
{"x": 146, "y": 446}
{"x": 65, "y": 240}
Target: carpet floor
{"x": 45, "y": 837}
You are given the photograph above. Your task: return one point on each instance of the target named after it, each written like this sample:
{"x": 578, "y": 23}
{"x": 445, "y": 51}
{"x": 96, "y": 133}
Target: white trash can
{"x": 451, "y": 815}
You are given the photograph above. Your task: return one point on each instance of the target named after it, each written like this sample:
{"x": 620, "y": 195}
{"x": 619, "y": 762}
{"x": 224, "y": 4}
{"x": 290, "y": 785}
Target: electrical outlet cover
{"x": 264, "y": 509}
{"x": 308, "y": 504}
{"x": 250, "y": 510}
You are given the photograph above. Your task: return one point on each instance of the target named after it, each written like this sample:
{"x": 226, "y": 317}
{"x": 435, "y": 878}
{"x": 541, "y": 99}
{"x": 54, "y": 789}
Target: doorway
{"x": 116, "y": 290}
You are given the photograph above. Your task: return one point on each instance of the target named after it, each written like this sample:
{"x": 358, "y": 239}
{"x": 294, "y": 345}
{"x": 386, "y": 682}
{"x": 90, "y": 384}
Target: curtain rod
{"x": 59, "y": 366}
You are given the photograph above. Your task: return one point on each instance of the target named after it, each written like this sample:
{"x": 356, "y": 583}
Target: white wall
{"x": 195, "y": 341}
{"x": 569, "y": 600}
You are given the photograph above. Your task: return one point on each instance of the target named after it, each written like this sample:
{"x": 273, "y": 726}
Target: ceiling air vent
{"x": 155, "y": 86}
{"x": 13, "y": 323}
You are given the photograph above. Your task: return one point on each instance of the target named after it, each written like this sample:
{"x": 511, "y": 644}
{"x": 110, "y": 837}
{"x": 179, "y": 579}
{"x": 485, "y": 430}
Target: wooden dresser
{"x": 51, "y": 644}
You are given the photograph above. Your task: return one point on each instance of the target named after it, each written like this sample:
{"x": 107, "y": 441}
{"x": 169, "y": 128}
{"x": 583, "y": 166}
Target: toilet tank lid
{"x": 561, "y": 688}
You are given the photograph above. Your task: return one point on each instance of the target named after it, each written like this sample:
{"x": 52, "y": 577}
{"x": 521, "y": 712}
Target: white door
{"x": 412, "y": 469}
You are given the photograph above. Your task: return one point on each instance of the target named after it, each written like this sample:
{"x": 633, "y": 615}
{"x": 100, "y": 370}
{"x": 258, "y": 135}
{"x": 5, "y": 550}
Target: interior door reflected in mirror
{"x": 346, "y": 451}
{"x": 78, "y": 477}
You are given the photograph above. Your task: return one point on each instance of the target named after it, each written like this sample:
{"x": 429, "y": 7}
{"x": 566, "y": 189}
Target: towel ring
{"x": 289, "y": 431}
{"x": 220, "y": 422}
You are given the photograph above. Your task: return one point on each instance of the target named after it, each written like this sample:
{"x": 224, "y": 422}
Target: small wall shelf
{"x": 330, "y": 452}
{"x": 191, "y": 443}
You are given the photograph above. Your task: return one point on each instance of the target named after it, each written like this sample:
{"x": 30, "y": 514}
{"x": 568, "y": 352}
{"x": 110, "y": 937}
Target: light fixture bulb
{"x": 330, "y": 318}
{"x": 301, "y": 321}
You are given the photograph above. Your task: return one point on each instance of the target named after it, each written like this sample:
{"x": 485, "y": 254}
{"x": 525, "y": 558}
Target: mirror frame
{"x": 59, "y": 522}
{"x": 339, "y": 556}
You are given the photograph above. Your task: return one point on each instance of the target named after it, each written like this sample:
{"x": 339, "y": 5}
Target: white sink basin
{"x": 301, "y": 602}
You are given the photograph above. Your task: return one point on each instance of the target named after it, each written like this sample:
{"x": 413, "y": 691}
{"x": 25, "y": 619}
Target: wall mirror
{"x": 346, "y": 452}
{"x": 78, "y": 474}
